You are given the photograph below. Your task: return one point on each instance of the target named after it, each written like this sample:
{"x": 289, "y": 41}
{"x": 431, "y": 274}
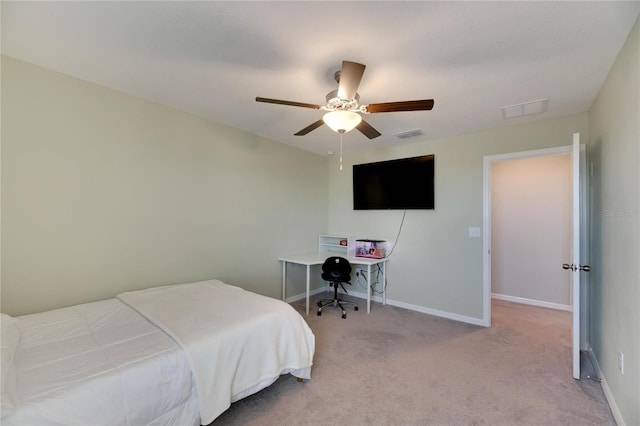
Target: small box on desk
{"x": 376, "y": 249}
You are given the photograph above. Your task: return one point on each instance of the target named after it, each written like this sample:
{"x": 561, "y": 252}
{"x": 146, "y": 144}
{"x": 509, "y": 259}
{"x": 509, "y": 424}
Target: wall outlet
{"x": 621, "y": 362}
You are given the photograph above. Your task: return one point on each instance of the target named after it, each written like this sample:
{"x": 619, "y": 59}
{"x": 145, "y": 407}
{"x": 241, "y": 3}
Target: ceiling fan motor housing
{"x": 335, "y": 103}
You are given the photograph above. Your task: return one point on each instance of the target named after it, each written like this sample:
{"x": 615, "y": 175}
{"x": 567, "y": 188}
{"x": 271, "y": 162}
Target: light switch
{"x": 474, "y": 232}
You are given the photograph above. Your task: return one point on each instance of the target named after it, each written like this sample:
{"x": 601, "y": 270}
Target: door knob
{"x": 585, "y": 268}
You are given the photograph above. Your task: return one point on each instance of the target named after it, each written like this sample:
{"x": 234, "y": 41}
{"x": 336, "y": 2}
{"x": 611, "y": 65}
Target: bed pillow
{"x": 10, "y": 335}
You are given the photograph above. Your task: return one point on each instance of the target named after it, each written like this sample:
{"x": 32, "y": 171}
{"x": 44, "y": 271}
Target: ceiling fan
{"x": 343, "y": 104}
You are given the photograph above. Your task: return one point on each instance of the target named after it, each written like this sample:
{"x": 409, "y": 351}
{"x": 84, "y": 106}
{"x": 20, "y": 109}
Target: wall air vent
{"x": 409, "y": 134}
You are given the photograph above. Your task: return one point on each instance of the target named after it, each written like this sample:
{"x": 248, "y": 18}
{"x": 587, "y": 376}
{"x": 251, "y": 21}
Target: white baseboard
{"x": 540, "y": 303}
{"x": 301, "y": 296}
{"x": 617, "y": 415}
{"x": 437, "y": 313}
{"x": 411, "y": 307}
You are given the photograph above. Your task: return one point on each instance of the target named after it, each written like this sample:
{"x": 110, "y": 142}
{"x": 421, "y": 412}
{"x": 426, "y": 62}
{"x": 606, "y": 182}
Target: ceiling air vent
{"x": 526, "y": 108}
{"x": 409, "y": 134}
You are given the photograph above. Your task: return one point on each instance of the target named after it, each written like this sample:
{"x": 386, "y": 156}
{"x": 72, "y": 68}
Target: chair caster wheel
{"x": 355, "y": 308}
{"x": 319, "y": 313}
{"x": 344, "y": 316}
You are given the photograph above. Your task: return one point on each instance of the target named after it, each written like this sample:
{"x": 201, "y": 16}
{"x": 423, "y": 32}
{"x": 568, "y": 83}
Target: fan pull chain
{"x": 341, "y": 151}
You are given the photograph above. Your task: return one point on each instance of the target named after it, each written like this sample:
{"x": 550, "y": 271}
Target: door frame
{"x": 486, "y": 216}
{"x": 581, "y": 251}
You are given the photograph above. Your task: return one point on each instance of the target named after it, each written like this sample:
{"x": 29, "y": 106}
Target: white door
{"x": 575, "y": 267}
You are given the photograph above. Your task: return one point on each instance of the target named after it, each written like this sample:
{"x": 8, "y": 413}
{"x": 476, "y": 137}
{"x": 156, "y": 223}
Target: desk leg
{"x": 384, "y": 283}
{"x": 308, "y": 285}
{"x": 284, "y": 280}
{"x": 368, "y": 288}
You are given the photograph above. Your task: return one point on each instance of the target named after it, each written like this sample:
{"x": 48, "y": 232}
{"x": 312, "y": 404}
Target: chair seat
{"x": 331, "y": 278}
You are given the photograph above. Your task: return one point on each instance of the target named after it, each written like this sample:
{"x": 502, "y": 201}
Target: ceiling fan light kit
{"x": 343, "y": 106}
{"x": 342, "y": 121}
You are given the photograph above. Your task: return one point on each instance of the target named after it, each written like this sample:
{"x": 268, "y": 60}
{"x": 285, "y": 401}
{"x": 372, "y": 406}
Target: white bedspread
{"x": 97, "y": 363}
{"x": 237, "y": 341}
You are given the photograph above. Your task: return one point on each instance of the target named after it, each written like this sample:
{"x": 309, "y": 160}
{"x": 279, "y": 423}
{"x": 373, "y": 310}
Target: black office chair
{"x": 336, "y": 270}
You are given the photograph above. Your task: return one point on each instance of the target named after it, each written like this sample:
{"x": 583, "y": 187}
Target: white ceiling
{"x": 213, "y": 58}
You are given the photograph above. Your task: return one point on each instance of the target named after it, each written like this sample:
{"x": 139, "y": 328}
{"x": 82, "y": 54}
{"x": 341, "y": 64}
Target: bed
{"x": 177, "y": 354}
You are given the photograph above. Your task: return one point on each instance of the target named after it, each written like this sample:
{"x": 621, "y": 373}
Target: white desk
{"x": 318, "y": 258}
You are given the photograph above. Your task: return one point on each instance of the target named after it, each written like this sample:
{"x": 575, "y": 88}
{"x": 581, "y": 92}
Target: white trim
{"x": 437, "y": 313}
{"x": 558, "y": 150}
{"x": 532, "y": 302}
{"x": 486, "y": 241}
{"x": 585, "y": 247}
{"x": 416, "y": 308}
{"x": 486, "y": 216}
{"x": 575, "y": 251}
{"x": 617, "y": 415}
{"x": 301, "y": 296}
{"x": 421, "y": 309}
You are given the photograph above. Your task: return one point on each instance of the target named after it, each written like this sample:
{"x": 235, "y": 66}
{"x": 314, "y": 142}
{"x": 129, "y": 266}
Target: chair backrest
{"x": 336, "y": 268}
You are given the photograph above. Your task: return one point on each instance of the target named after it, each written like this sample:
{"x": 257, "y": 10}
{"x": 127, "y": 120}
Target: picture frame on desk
{"x": 375, "y": 249}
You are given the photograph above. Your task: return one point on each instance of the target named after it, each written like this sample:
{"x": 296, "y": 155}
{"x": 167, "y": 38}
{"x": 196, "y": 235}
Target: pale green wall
{"x": 103, "y": 192}
{"x": 435, "y": 264}
{"x": 614, "y": 123}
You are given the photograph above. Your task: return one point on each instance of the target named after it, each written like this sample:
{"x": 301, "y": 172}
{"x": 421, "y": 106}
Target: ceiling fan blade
{"x": 422, "y": 105}
{"x": 310, "y": 127}
{"x": 350, "y": 76}
{"x": 367, "y": 130}
{"x": 290, "y": 103}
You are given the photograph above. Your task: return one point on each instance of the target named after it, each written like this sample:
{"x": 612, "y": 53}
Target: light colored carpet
{"x": 398, "y": 367}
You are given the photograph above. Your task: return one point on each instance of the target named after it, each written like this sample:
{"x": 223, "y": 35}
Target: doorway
{"x": 531, "y": 208}
{"x": 489, "y": 161}
{"x": 578, "y": 252}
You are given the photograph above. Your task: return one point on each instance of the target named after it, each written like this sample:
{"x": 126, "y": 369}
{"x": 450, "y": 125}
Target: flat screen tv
{"x": 402, "y": 184}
